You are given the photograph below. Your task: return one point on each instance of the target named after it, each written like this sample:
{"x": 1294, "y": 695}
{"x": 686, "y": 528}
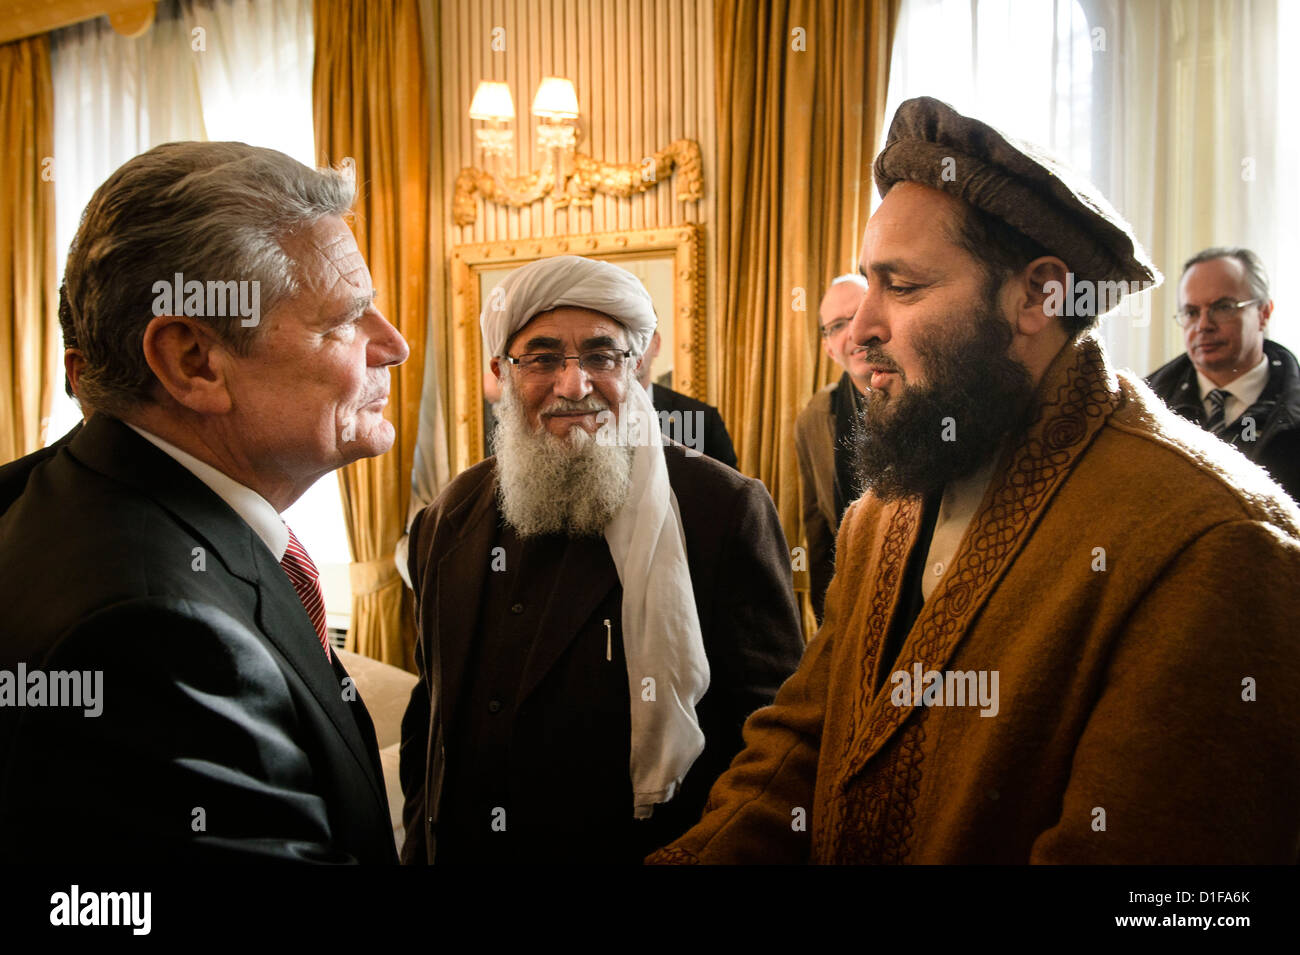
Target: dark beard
{"x": 899, "y": 446}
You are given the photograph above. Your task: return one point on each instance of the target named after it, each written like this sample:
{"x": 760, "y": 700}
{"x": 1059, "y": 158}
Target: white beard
{"x": 548, "y": 484}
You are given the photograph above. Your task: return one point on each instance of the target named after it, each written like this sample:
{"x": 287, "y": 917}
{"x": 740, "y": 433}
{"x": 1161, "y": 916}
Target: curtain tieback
{"x": 372, "y": 576}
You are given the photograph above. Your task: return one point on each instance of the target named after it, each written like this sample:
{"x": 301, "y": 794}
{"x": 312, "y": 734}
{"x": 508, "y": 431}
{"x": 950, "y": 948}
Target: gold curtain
{"x": 29, "y": 338}
{"x": 372, "y": 105}
{"x": 801, "y": 97}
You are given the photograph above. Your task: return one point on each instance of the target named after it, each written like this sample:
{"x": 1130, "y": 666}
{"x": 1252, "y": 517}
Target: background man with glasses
{"x": 1233, "y": 381}
{"x": 823, "y": 431}
{"x": 598, "y": 615}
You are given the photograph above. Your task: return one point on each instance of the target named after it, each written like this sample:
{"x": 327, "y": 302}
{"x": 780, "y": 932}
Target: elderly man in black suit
{"x": 599, "y": 611}
{"x": 686, "y": 420}
{"x": 167, "y": 690}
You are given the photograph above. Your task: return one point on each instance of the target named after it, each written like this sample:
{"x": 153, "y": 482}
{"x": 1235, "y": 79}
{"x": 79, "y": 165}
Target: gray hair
{"x": 1255, "y": 273}
{"x": 212, "y": 212}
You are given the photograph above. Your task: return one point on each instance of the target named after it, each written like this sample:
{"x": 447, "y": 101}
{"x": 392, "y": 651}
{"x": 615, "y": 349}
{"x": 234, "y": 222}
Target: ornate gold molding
{"x": 579, "y": 178}
{"x": 683, "y": 244}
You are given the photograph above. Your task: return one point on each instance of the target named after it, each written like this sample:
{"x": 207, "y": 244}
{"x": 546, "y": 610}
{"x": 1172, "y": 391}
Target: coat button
{"x": 517, "y": 608}
{"x": 494, "y": 706}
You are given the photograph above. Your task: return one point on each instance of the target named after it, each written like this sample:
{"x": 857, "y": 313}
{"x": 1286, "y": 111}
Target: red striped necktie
{"x": 306, "y": 580}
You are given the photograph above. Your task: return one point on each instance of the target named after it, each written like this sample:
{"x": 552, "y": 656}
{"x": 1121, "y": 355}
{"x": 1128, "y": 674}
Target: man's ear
{"x": 1265, "y": 313}
{"x": 495, "y": 365}
{"x": 189, "y": 363}
{"x": 74, "y": 363}
{"x": 1040, "y": 294}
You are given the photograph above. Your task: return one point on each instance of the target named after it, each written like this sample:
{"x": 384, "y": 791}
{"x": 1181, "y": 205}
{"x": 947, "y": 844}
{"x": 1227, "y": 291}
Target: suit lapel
{"x": 587, "y": 574}
{"x": 109, "y": 446}
{"x": 1077, "y": 395}
{"x": 460, "y": 574}
{"x": 285, "y": 623}
{"x": 357, "y": 707}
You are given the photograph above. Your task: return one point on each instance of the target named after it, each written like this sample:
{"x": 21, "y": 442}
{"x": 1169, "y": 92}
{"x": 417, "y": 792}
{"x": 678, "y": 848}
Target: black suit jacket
{"x": 224, "y": 732}
{"x": 1275, "y": 443}
{"x": 13, "y": 476}
{"x": 740, "y": 573}
{"x": 713, "y": 440}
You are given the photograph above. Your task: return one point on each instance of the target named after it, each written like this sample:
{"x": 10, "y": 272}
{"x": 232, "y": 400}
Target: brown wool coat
{"x": 814, "y": 444}
{"x": 1121, "y": 690}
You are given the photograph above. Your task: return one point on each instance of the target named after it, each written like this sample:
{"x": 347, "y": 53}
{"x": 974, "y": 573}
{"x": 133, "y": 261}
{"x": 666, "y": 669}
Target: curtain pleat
{"x": 29, "y": 345}
{"x": 371, "y": 105}
{"x": 800, "y": 93}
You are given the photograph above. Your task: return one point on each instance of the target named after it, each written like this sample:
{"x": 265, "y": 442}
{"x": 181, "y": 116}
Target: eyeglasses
{"x": 597, "y": 365}
{"x": 1220, "y": 311}
{"x": 834, "y": 328}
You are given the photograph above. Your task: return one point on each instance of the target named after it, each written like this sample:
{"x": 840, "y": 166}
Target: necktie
{"x": 1218, "y": 399}
{"x": 306, "y": 580}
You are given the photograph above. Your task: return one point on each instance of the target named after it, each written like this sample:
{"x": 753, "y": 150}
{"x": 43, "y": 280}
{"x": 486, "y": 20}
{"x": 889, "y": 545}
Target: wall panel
{"x": 644, "y": 78}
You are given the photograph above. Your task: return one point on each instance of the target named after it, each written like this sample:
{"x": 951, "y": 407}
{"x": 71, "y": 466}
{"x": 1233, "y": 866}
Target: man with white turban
{"x": 599, "y": 612}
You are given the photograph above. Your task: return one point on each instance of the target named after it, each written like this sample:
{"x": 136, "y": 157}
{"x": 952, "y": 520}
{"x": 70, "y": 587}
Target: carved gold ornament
{"x": 577, "y": 177}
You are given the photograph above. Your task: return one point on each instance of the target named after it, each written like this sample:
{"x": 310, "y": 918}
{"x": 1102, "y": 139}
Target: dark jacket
{"x": 13, "y": 476}
{"x": 1276, "y": 444}
{"x": 712, "y": 439}
{"x": 740, "y": 572}
{"x": 814, "y": 445}
{"x": 224, "y": 732}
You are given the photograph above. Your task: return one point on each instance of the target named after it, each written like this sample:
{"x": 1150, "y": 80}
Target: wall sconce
{"x": 556, "y": 104}
{"x": 493, "y": 105}
{"x": 566, "y": 175}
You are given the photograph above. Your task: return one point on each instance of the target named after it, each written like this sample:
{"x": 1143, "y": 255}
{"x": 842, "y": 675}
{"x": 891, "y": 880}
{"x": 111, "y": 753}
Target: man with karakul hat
{"x": 598, "y": 612}
{"x": 1062, "y": 623}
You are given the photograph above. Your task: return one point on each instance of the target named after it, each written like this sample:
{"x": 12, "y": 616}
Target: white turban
{"x": 667, "y": 670}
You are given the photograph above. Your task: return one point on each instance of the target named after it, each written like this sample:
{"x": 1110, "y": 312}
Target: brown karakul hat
{"x": 931, "y": 143}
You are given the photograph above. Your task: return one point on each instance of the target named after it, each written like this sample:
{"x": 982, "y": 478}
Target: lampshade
{"x": 556, "y": 99}
{"x": 492, "y": 102}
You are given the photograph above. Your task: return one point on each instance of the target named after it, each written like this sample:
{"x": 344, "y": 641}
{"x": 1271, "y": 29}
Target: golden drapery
{"x": 29, "y": 337}
{"x": 801, "y": 98}
{"x": 372, "y": 114}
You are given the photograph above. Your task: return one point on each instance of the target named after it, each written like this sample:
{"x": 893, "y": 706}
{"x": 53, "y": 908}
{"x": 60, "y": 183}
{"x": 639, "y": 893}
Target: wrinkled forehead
{"x": 327, "y": 256}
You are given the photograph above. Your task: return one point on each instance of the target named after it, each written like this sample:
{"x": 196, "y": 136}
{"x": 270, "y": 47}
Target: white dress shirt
{"x": 961, "y": 500}
{"x": 256, "y": 510}
{"x": 1244, "y": 390}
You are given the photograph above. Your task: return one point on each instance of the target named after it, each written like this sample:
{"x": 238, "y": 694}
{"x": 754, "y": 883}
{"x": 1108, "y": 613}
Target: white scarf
{"x": 667, "y": 670}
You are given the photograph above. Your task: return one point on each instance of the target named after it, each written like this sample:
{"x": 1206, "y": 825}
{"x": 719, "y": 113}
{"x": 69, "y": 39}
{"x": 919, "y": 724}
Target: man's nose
{"x": 387, "y": 346}
{"x": 572, "y": 382}
{"x": 1202, "y": 320}
{"x": 868, "y": 323}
